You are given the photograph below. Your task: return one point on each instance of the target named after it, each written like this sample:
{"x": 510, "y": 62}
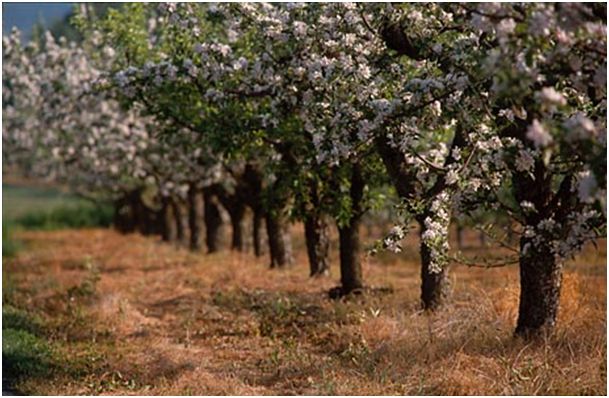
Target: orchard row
{"x": 304, "y": 112}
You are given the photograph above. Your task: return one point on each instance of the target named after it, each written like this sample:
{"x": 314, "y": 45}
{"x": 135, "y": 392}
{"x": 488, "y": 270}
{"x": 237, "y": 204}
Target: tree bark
{"x": 145, "y": 219}
{"x": 181, "y": 217}
{"x": 350, "y": 265}
{"x": 237, "y": 217}
{"x": 318, "y": 244}
{"x": 280, "y": 241}
{"x": 435, "y": 286}
{"x": 136, "y": 211}
{"x": 169, "y": 221}
{"x": 235, "y": 204}
{"x": 149, "y": 221}
{"x": 213, "y": 221}
{"x": 540, "y": 270}
{"x": 251, "y": 189}
{"x": 540, "y": 281}
{"x": 123, "y": 214}
{"x": 257, "y": 231}
{"x": 195, "y": 217}
{"x": 351, "y": 277}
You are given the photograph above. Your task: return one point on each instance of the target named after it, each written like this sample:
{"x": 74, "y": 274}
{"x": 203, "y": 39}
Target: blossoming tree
{"x": 291, "y": 109}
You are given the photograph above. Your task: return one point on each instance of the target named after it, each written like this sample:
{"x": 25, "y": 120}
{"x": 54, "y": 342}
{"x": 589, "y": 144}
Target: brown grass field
{"x": 130, "y": 315}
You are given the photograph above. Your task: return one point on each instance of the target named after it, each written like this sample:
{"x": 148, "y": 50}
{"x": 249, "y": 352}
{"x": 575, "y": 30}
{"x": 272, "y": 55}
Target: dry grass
{"x": 163, "y": 321}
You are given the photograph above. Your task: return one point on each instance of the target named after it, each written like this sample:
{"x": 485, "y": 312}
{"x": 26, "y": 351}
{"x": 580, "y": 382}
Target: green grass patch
{"x": 45, "y": 208}
{"x": 31, "y": 354}
{"x": 20, "y": 200}
{"x": 25, "y": 352}
{"x": 14, "y": 318}
{"x": 10, "y": 245}
{"x": 25, "y": 355}
{"x": 84, "y": 215}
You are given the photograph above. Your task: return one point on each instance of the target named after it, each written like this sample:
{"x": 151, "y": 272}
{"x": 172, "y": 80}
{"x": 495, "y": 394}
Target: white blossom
{"x": 539, "y": 134}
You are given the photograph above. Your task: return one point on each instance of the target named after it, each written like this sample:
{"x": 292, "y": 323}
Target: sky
{"x": 25, "y": 15}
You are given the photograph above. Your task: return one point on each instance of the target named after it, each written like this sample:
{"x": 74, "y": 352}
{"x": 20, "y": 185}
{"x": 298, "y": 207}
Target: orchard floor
{"x": 130, "y": 315}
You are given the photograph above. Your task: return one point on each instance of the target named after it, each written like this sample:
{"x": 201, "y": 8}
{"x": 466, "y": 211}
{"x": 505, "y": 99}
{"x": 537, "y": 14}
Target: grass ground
{"x": 27, "y": 205}
{"x": 19, "y": 199}
{"x": 94, "y": 312}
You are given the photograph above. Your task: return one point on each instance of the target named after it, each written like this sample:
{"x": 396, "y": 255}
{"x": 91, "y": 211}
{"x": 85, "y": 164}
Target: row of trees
{"x": 299, "y": 112}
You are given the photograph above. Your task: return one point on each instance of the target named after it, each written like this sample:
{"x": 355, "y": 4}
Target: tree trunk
{"x": 350, "y": 265}
{"x": 237, "y": 217}
{"x": 195, "y": 217}
{"x": 434, "y": 285}
{"x": 213, "y": 221}
{"x": 234, "y": 203}
{"x": 123, "y": 219}
{"x": 181, "y": 217}
{"x": 351, "y": 277}
{"x": 148, "y": 220}
{"x": 540, "y": 270}
{"x": 280, "y": 241}
{"x": 318, "y": 244}
{"x": 136, "y": 210}
{"x": 540, "y": 280}
{"x": 169, "y": 221}
{"x": 252, "y": 188}
{"x": 144, "y": 218}
{"x": 257, "y": 232}
{"x": 140, "y": 211}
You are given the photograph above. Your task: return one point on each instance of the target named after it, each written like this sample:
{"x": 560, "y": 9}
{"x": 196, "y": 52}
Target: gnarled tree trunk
{"x": 318, "y": 244}
{"x": 149, "y": 221}
{"x": 237, "y": 218}
{"x": 181, "y": 217}
{"x": 257, "y": 226}
{"x": 540, "y": 270}
{"x": 351, "y": 276}
{"x": 145, "y": 219}
{"x": 213, "y": 221}
{"x": 540, "y": 280}
{"x": 123, "y": 215}
{"x": 280, "y": 241}
{"x": 235, "y": 204}
{"x": 195, "y": 217}
{"x": 251, "y": 192}
{"x": 435, "y": 286}
{"x": 170, "y": 231}
{"x": 137, "y": 210}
